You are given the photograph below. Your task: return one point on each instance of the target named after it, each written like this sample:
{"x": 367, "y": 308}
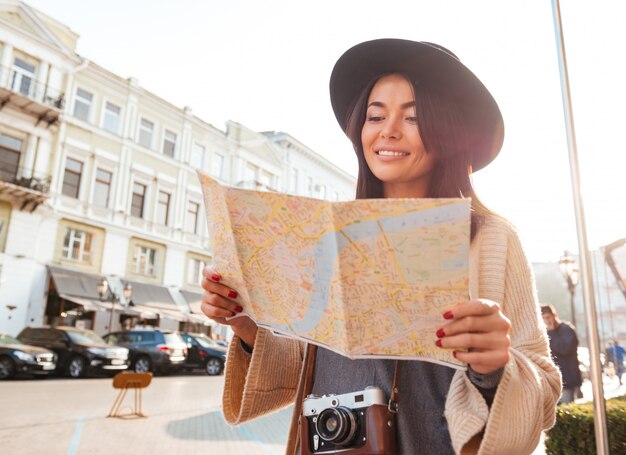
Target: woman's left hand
{"x": 480, "y": 334}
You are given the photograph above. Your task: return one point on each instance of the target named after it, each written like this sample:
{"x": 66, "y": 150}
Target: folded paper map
{"x": 368, "y": 278}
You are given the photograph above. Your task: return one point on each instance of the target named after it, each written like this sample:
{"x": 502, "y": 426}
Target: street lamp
{"x": 102, "y": 288}
{"x": 569, "y": 269}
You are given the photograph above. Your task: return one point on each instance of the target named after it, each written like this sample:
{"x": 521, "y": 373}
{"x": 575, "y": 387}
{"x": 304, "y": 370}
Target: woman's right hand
{"x": 220, "y": 302}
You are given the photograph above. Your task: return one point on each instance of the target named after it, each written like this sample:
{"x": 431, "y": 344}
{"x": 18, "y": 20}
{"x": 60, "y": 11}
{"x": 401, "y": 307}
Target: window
{"x": 163, "y": 208}
{"x": 194, "y": 271}
{"x": 144, "y": 260}
{"x": 111, "y": 121}
{"x": 23, "y": 77}
{"x": 217, "y": 165}
{"x": 77, "y": 245}
{"x": 169, "y": 143}
{"x": 82, "y": 104}
{"x": 9, "y": 157}
{"x": 294, "y": 181}
{"x": 266, "y": 179}
{"x": 321, "y": 191}
{"x": 71, "y": 178}
{"x": 249, "y": 173}
{"x": 137, "y": 202}
{"x": 310, "y": 185}
{"x": 146, "y": 133}
{"x": 197, "y": 156}
{"x": 102, "y": 188}
{"x": 191, "y": 221}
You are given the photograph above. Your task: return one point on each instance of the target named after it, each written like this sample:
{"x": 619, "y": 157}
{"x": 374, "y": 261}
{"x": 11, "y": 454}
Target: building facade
{"x": 98, "y": 182}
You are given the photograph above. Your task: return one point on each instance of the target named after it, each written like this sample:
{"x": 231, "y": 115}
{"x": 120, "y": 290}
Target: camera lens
{"x": 336, "y": 425}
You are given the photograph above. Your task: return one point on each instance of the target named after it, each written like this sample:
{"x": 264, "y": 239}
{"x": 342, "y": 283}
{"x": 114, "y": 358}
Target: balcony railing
{"x": 26, "y": 85}
{"x": 25, "y": 178}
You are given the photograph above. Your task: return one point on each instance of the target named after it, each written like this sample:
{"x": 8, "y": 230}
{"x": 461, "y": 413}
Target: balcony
{"x": 24, "y": 93}
{"x": 23, "y": 186}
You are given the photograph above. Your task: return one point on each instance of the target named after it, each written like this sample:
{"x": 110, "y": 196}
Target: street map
{"x": 368, "y": 278}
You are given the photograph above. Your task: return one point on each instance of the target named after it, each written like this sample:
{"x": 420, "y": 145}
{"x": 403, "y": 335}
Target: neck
{"x": 405, "y": 190}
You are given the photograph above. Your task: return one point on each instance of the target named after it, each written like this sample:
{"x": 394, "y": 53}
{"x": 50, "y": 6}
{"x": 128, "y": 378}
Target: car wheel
{"x": 142, "y": 365}
{"x": 214, "y": 366}
{"x": 76, "y": 368}
{"x": 7, "y": 368}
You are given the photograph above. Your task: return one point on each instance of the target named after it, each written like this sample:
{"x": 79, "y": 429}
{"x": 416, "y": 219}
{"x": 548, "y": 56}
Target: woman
{"x": 420, "y": 123}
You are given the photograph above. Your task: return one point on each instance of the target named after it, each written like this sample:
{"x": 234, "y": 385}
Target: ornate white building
{"x": 97, "y": 180}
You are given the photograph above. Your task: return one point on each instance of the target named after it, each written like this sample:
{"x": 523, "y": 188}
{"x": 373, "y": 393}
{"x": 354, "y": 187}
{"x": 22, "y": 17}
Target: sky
{"x": 266, "y": 64}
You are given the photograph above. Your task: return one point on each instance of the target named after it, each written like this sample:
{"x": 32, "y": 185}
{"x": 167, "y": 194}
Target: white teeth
{"x": 390, "y": 153}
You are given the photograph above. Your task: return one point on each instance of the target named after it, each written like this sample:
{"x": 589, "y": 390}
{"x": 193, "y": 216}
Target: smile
{"x": 391, "y": 153}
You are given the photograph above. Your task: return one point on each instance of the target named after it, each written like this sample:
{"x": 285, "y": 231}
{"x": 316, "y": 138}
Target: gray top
{"x": 422, "y": 389}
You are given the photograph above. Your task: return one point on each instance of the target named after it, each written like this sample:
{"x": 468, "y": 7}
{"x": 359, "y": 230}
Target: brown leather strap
{"x": 303, "y": 390}
{"x": 393, "y": 396}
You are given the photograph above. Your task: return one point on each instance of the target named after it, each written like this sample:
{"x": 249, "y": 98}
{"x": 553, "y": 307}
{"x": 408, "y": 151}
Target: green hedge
{"x": 574, "y": 434}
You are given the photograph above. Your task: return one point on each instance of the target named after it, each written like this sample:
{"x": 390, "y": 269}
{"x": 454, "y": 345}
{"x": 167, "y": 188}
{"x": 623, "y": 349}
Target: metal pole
{"x": 112, "y": 311}
{"x": 599, "y": 408}
{"x": 572, "y": 291}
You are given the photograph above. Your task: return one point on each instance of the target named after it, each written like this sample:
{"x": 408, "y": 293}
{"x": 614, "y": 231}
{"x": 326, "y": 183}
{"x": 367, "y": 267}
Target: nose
{"x": 390, "y": 128}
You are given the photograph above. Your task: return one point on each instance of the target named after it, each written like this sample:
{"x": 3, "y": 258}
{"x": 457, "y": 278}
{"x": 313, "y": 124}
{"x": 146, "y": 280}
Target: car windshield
{"x": 6, "y": 339}
{"x": 84, "y": 337}
{"x": 207, "y": 342}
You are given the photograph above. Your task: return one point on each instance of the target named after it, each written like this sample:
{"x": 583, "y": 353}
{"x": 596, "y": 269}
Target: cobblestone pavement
{"x": 68, "y": 417}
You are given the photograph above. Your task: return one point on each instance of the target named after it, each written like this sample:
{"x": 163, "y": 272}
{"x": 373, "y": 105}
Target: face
{"x": 549, "y": 320}
{"x": 391, "y": 141}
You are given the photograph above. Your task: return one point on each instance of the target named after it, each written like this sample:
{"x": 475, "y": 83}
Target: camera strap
{"x": 393, "y": 396}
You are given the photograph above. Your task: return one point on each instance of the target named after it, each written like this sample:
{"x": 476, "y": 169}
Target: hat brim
{"x": 428, "y": 65}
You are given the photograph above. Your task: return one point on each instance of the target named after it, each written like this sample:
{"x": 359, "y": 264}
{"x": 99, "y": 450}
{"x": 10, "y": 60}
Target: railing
{"x": 21, "y": 83}
{"x": 26, "y": 178}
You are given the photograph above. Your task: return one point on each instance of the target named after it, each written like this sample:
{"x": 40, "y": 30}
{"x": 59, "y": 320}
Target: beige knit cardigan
{"x": 524, "y": 403}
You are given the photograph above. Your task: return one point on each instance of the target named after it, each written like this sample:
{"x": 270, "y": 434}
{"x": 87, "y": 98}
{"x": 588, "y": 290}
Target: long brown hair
{"x": 443, "y": 132}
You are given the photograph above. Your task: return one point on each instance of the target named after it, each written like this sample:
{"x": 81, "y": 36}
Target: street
{"x": 58, "y": 416}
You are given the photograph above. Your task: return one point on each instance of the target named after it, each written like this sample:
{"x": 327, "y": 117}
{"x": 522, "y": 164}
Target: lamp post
{"x": 102, "y": 288}
{"x": 569, "y": 269}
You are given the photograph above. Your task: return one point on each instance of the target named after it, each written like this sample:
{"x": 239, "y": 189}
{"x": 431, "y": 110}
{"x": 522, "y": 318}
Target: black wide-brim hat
{"x": 431, "y": 66}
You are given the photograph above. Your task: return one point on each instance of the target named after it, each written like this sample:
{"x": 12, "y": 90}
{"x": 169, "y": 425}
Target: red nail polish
{"x": 438, "y": 343}
{"x": 238, "y": 309}
{"x": 441, "y": 333}
{"x": 232, "y": 294}
{"x": 448, "y": 315}
{"x": 215, "y": 277}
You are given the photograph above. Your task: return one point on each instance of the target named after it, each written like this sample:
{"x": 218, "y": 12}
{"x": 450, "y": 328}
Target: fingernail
{"x": 438, "y": 343}
{"x": 215, "y": 277}
{"x": 448, "y": 315}
{"x": 238, "y": 309}
{"x": 232, "y": 294}
{"x": 441, "y": 333}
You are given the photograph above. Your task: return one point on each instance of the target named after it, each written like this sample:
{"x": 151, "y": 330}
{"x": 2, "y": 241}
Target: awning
{"x": 193, "y": 299}
{"x": 80, "y": 288}
{"x": 196, "y": 315}
{"x": 152, "y": 299}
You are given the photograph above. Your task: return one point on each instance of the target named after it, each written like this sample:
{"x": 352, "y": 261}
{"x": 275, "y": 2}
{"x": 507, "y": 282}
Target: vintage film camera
{"x": 353, "y": 423}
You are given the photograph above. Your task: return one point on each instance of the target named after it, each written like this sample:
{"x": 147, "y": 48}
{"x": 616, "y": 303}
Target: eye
{"x": 411, "y": 119}
{"x": 374, "y": 118}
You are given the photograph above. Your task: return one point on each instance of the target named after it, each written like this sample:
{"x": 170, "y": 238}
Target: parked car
{"x": 19, "y": 358}
{"x": 79, "y": 351}
{"x": 204, "y": 353}
{"x": 153, "y": 350}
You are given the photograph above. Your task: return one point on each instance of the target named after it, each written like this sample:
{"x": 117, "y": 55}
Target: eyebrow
{"x": 380, "y": 104}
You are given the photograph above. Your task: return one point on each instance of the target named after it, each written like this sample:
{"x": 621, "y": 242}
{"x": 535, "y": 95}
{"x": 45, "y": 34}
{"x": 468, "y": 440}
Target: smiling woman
{"x": 420, "y": 123}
